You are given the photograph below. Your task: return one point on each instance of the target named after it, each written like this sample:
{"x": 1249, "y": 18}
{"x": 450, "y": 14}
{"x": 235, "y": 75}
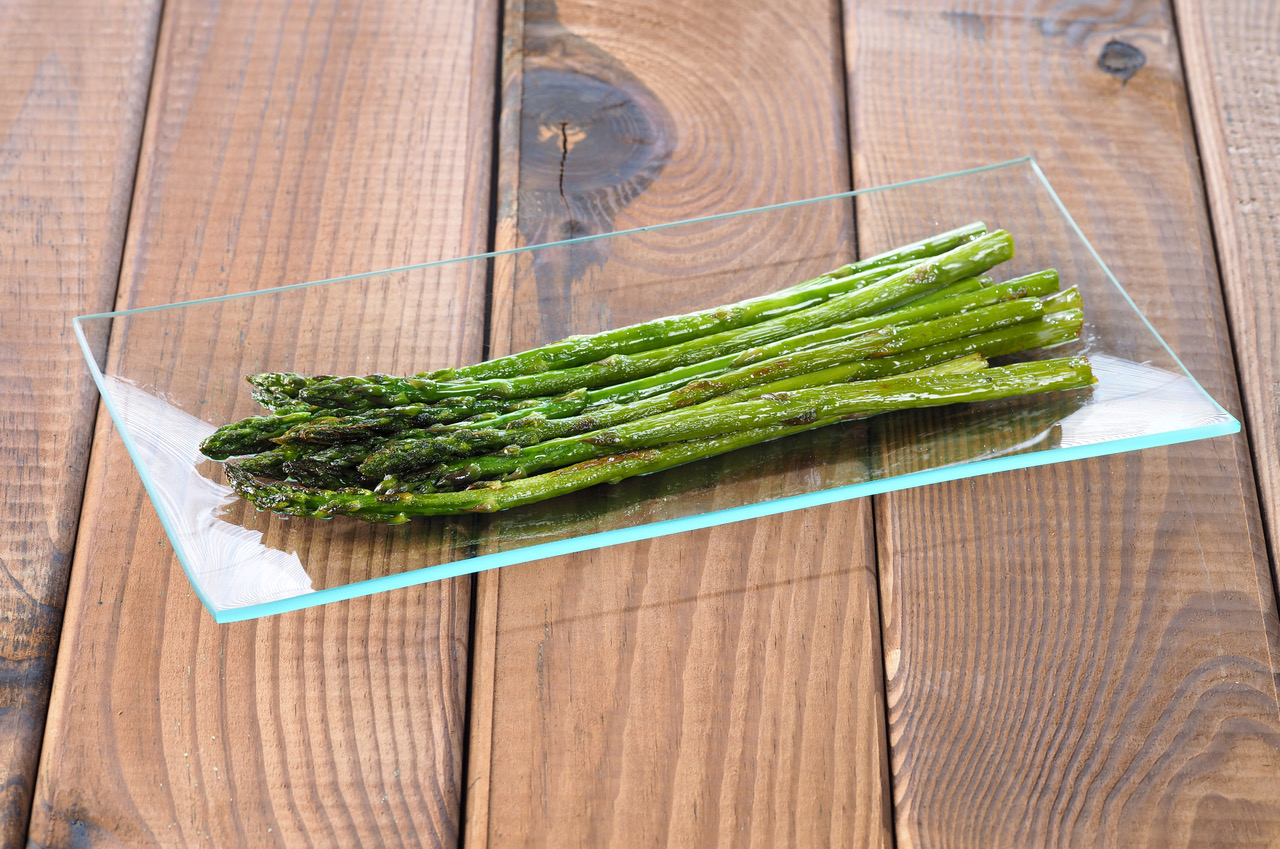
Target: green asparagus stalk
{"x": 406, "y": 455}
{"x": 417, "y": 417}
{"x": 511, "y": 464}
{"x": 1068, "y": 299}
{"x": 960, "y": 287}
{"x": 577, "y": 350}
{"x": 1041, "y": 283}
{"x": 584, "y": 401}
{"x": 967, "y": 260}
{"x": 1051, "y": 330}
{"x": 662, "y": 332}
{"x": 253, "y": 434}
{"x": 468, "y": 441}
{"x": 1045, "y": 332}
{"x": 908, "y": 254}
{"x": 734, "y": 426}
{"x": 278, "y": 391}
{"x": 249, "y": 435}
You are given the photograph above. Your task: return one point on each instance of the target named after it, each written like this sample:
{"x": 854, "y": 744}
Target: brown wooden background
{"x": 1079, "y": 655}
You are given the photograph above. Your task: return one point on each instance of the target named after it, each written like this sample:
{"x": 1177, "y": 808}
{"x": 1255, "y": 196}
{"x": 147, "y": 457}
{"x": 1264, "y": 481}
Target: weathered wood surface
{"x": 720, "y": 686}
{"x": 1083, "y": 654}
{"x": 1231, "y": 52}
{"x": 1079, "y": 655}
{"x": 72, "y": 99}
{"x": 284, "y": 142}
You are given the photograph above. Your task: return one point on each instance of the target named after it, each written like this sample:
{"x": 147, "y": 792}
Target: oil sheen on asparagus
{"x": 909, "y": 328}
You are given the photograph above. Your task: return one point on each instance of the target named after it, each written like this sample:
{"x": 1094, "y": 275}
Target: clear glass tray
{"x": 175, "y": 372}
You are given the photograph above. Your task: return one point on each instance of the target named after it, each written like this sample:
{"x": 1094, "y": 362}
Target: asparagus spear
{"x": 417, "y": 417}
{"x": 249, "y": 435}
{"x": 577, "y": 350}
{"x": 968, "y": 284}
{"x": 970, "y": 296}
{"x": 278, "y": 391}
{"x": 1060, "y": 326}
{"x": 1068, "y": 299}
{"x": 257, "y": 434}
{"x": 253, "y": 434}
{"x": 1045, "y": 332}
{"x": 909, "y": 254}
{"x": 1041, "y": 283}
{"x": 404, "y": 455}
{"x": 512, "y": 464}
{"x": 967, "y": 260}
{"x": 732, "y": 426}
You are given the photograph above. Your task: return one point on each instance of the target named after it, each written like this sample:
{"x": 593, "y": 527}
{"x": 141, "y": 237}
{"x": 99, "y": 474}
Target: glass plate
{"x": 175, "y": 372}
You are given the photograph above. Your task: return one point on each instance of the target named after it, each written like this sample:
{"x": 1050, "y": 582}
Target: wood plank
{"x": 1081, "y": 654}
{"x": 72, "y": 100}
{"x": 720, "y": 686}
{"x": 1231, "y": 52}
{"x": 284, "y": 142}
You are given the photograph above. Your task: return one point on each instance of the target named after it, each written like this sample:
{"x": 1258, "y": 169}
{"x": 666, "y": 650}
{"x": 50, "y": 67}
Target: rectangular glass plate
{"x": 175, "y": 372}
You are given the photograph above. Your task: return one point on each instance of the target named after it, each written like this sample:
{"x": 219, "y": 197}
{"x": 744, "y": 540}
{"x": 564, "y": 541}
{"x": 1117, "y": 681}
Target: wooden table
{"x": 1082, "y": 655}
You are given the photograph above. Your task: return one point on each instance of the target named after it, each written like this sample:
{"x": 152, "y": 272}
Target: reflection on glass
{"x": 228, "y": 562}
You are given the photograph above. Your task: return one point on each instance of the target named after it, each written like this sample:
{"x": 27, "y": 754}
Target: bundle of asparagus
{"x": 909, "y": 328}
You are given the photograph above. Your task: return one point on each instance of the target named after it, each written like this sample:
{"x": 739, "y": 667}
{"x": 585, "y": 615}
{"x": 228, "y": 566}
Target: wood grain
{"x": 686, "y": 690}
{"x": 284, "y": 142}
{"x": 715, "y": 687}
{"x": 1081, "y": 654}
{"x": 1230, "y": 51}
{"x": 71, "y": 107}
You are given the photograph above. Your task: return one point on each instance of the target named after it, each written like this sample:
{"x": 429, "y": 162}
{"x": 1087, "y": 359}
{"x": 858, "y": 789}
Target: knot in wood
{"x": 1121, "y": 59}
{"x": 588, "y": 145}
